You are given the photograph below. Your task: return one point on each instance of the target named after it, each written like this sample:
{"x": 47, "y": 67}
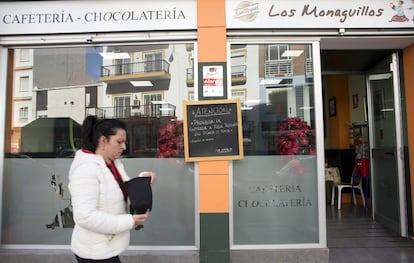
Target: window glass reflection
{"x": 52, "y": 90}
{"x": 275, "y": 192}
{"x": 144, "y": 85}
{"x": 274, "y": 83}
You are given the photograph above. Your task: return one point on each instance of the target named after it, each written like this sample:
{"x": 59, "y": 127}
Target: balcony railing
{"x": 278, "y": 68}
{"x": 309, "y": 67}
{"x": 150, "y": 110}
{"x": 135, "y": 68}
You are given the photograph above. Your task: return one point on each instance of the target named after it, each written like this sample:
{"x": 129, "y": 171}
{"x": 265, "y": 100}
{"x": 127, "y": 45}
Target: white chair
{"x": 341, "y": 186}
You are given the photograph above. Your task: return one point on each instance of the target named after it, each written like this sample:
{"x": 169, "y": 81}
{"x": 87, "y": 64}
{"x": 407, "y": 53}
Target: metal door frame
{"x": 394, "y": 69}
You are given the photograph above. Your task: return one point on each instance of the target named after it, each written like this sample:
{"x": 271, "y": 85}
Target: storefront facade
{"x": 139, "y": 62}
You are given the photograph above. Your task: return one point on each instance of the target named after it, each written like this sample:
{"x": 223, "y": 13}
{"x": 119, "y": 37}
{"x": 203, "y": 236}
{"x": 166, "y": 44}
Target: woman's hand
{"x": 139, "y": 219}
{"x": 148, "y": 174}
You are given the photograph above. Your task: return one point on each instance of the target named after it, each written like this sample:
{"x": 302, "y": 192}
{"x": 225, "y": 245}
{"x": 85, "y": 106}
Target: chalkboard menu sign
{"x": 212, "y": 130}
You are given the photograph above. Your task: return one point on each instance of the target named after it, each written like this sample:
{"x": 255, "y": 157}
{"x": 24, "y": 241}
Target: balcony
{"x": 148, "y": 76}
{"x": 133, "y": 111}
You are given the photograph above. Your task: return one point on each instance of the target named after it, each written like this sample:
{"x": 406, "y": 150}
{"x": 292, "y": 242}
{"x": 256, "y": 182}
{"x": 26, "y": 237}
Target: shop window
{"x": 53, "y": 89}
{"x": 275, "y": 195}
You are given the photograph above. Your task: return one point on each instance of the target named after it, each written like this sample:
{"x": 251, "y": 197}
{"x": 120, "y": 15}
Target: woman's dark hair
{"x": 93, "y": 128}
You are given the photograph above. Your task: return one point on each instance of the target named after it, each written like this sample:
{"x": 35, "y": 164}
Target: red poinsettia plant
{"x": 171, "y": 140}
{"x": 296, "y": 137}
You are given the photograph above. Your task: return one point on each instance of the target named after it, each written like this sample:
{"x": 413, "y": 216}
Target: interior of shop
{"x": 345, "y": 65}
{"x": 346, "y": 118}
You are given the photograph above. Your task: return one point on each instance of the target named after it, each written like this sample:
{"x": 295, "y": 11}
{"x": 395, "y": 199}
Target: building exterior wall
{"x": 214, "y": 190}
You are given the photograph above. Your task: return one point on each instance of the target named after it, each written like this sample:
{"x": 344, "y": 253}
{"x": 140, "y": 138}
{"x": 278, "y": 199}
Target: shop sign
{"x": 282, "y": 14}
{"x": 46, "y": 17}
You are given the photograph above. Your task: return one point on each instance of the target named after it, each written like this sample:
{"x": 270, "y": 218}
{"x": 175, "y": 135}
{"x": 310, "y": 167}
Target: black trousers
{"x": 109, "y": 260}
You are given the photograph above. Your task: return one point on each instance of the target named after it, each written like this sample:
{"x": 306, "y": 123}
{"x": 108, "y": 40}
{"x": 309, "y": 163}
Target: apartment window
{"x": 23, "y": 58}
{"x": 153, "y": 62}
{"x": 278, "y": 61}
{"x": 41, "y": 100}
{"x": 23, "y": 114}
{"x": 24, "y": 83}
{"x": 123, "y": 66}
{"x": 153, "y": 103}
{"x": 238, "y": 65}
{"x": 25, "y": 55}
{"x": 276, "y": 52}
{"x": 122, "y": 106}
{"x": 91, "y": 96}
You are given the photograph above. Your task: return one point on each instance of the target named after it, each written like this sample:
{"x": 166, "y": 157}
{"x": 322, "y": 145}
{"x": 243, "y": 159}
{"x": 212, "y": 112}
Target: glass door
{"x": 387, "y": 170}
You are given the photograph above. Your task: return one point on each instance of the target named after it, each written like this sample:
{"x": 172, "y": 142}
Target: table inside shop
{"x": 332, "y": 177}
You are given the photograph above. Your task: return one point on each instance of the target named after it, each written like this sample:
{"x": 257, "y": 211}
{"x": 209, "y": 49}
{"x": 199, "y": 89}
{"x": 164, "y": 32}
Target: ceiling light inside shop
{"x": 141, "y": 83}
{"x": 115, "y": 55}
{"x": 292, "y": 53}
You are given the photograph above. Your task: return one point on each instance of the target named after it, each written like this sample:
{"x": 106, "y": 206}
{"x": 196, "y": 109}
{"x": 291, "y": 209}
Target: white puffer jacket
{"x": 102, "y": 222}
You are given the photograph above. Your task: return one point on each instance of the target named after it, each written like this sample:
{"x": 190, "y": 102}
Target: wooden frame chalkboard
{"x": 212, "y": 130}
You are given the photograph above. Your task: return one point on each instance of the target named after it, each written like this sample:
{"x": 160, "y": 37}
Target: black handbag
{"x": 140, "y": 194}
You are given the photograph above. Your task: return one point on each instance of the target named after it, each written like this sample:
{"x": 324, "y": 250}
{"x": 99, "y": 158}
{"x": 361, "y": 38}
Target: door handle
{"x": 389, "y": 153}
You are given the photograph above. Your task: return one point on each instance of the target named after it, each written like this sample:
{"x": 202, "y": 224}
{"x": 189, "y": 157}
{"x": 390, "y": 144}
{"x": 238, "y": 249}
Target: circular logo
{"x": 246, "y": 11}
